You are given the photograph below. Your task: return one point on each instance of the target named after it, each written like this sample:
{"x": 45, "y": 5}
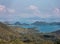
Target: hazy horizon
{"x": 28, "y": 11}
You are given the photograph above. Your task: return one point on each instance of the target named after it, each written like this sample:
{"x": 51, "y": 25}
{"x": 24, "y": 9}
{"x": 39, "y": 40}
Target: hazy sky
{"x": 30, "y": 10}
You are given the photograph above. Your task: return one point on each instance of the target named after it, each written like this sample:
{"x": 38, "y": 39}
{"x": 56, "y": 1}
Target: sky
{"x": 28, "y": 11}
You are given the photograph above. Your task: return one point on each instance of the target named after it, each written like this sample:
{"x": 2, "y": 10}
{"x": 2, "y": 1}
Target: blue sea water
{"x": 43, "y": 28}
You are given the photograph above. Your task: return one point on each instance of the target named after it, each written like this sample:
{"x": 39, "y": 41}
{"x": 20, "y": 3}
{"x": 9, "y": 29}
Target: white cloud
{"x": 3, "y": 9}
{"x": 56, "y": 10}
{"x": 33, "y": 7}
{"x": 36, "y": 12}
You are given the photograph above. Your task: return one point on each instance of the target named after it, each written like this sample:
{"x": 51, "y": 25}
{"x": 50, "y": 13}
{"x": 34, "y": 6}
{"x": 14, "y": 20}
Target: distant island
{"x": 45, "y": 23}
{"x": 34, "y": 23}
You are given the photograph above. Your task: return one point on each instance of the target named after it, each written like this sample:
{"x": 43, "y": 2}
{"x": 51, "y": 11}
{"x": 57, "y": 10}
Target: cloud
{"x": 5, "y": 9}
{"x": 2, "y": 8}
{"x": 33, "y": 7}
{"x": 56, "y": 10}
{"x": 37, "y": 12}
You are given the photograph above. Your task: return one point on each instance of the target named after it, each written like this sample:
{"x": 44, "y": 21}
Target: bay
{"x": 41, "y": 28}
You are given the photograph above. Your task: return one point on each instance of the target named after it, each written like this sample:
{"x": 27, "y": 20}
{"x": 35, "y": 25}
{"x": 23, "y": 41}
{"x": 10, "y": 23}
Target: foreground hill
{"x": 16, "y": 35}
{"x": 13, "y": 35}
{"x": 57, "y": 33}
{"x": 7, "y": 33}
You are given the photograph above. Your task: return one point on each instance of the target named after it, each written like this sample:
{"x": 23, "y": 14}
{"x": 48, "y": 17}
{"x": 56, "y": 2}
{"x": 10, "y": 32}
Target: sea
{"x": 42, "y": 28}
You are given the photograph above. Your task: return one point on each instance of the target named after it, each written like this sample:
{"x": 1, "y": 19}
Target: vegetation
{"x": 15, "y": 35}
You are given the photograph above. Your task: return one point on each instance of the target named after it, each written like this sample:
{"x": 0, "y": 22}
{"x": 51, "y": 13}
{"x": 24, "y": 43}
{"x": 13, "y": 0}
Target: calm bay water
{"x": 43, "y": 28}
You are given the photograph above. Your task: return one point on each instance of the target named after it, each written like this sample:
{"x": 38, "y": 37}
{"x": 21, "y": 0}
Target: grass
{"x": 14, "y": 35}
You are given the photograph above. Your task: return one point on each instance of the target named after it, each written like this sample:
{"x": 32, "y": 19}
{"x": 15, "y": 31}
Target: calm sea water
{"x": 43, "y": 28}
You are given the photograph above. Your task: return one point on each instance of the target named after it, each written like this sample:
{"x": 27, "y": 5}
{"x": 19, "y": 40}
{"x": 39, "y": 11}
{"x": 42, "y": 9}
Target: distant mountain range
{"x": 39, "y": 23}
{"x": 18, "y": 23}
{"x": 35, "y": 23}
{"x": 45, "y": 23}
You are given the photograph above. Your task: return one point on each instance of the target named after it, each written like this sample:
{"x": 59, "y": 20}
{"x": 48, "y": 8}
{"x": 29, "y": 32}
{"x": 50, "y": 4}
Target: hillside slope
{"x": 7, "y": 33}
{"x": 13, "y": 35}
